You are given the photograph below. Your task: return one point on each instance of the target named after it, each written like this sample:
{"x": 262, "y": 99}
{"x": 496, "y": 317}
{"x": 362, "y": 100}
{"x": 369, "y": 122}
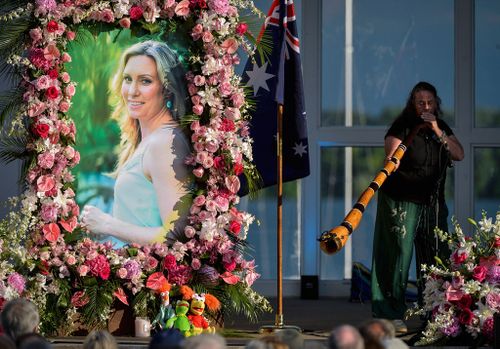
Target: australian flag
{"x": 278, "y": 80}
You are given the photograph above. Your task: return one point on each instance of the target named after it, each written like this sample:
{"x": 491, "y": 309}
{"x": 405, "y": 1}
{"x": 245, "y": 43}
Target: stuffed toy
{"x": 159, "y": 283}
{"x": 180, "y": 320}
{"x": 198, "y": 303}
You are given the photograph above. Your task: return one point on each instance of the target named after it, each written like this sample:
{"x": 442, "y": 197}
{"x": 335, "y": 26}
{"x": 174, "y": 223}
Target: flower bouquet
{"x": 462, "y": 294}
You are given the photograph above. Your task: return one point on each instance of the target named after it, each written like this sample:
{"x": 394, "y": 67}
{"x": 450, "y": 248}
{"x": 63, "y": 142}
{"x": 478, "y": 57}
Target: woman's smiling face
{"x": 142, "y": 89}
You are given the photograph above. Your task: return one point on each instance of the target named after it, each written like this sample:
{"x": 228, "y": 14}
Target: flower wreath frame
{"x": 72, "y": 279}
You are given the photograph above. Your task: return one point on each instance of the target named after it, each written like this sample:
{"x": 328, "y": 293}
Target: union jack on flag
{"x": 278, "y": 80}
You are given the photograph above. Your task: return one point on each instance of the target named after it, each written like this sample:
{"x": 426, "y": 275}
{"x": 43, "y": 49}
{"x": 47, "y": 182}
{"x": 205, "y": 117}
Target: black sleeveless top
{"x": 421, "y": 175}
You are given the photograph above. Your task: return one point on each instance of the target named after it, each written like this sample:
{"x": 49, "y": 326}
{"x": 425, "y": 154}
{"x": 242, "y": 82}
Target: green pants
{"x": 400, "y": 224}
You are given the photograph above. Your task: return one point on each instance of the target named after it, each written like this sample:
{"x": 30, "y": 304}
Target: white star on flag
{"x": 300, "y": 149}
{"x": 258, "y": 78}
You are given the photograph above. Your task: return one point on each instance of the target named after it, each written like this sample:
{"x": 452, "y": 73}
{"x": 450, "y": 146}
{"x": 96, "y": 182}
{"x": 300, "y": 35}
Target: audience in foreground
{"x": 100, "y": 339}
{"x": 19, "y": 316}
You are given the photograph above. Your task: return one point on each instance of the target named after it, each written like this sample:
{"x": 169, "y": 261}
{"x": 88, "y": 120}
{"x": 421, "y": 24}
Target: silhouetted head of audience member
{"x": 169, "y": 339}
{"x": 394, "y": 343}
{"x": 267, "y": 342}
{"x": 100, "y": 340}
{"x": 6, "y": 342}
{"x": 293, "y": 338}
{"x": 205, "y": 341}
{"x": 19, "y": 316}
{"x": 345, "y": 337}
{"x": 32, "y": 341}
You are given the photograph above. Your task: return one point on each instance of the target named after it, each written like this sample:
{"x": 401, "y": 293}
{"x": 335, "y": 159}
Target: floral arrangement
{"x": 45, "y": 254}
{"x": 462, "y": 298}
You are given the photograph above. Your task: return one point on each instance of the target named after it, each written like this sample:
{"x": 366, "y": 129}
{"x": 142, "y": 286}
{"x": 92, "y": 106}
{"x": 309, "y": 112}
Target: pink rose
{"x": 195, "y": 264}
{"x": 151, "y": 263}
{"x": 45, "y": 183}
{"x": 182, "y": 8}
{"x": 198, "y": 109}
{"x": 225, "y": 88}
{"x": 199, "y": 80}
{"x": 70, "y": 259}
{"x": 107, "y": 16}
{"x": 230, "y": 45}
{"x": 207, "y": 37}
{"x": 65, "y": 77}
{"x": 70, "y": 90}
{"x": 189, "y": 231}
{"x": 70, "y": 35}
{"x": 479, "y": 273}
{"x": 222, "y": 203}
{"x": 124, "y": 22}
{"x": 64, "y": 106}
{"x": 43, "y": 82}
{"x": 121, "y": 273}
{"x": 208, "y": 162}
{"x": 36, "y": 34}
{"x": 66, "y": 57}
{"x": 199, "y": 200}
{"x": 82, "y": 270}
{"x": 237, "y": 100}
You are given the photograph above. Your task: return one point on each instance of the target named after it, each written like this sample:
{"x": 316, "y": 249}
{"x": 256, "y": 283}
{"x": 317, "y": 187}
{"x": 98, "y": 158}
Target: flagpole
{"x": 279, "y": 322}
{"x": 279, "y": 245}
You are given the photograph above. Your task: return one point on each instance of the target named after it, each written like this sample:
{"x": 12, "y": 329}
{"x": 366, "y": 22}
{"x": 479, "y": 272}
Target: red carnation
{"x": 42, "y": 130}
{"x": 52, "y": 92}
{"x": 52, "y": 26}
{"x": 53, "y": 73}
{"x": 169, "y": 262}
{"x": 136, "y": 12}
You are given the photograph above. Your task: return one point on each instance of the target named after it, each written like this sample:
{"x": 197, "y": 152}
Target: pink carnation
{"x": 46, "y": 160}
{"x": 45, "y": 183}
{"x": 221, "y": 7}
{"x": 17, "y": 282}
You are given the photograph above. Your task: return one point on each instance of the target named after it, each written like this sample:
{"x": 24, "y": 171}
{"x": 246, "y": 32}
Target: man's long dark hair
{"x": 410, "y": 103}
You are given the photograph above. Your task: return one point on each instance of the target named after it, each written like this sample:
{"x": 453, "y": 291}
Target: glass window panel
{"x": 486, "y": 174}
{"x": 262, "y": 236}
{"x": 395, "y": 45}
{"x": 487, "y": 72}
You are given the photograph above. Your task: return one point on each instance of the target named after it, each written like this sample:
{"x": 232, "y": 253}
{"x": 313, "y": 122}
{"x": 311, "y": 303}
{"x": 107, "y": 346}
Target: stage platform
{"x": 315, "y": 317}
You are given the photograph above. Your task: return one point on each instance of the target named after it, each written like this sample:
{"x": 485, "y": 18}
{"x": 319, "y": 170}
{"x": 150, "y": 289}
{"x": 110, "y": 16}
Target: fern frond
{"x": 9, "y": 102}
{"x": 96, "y": 312}
{"x": 11, "y": 5}
{"x": 13, "y": 148}
{"x": 12, "y": 34}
